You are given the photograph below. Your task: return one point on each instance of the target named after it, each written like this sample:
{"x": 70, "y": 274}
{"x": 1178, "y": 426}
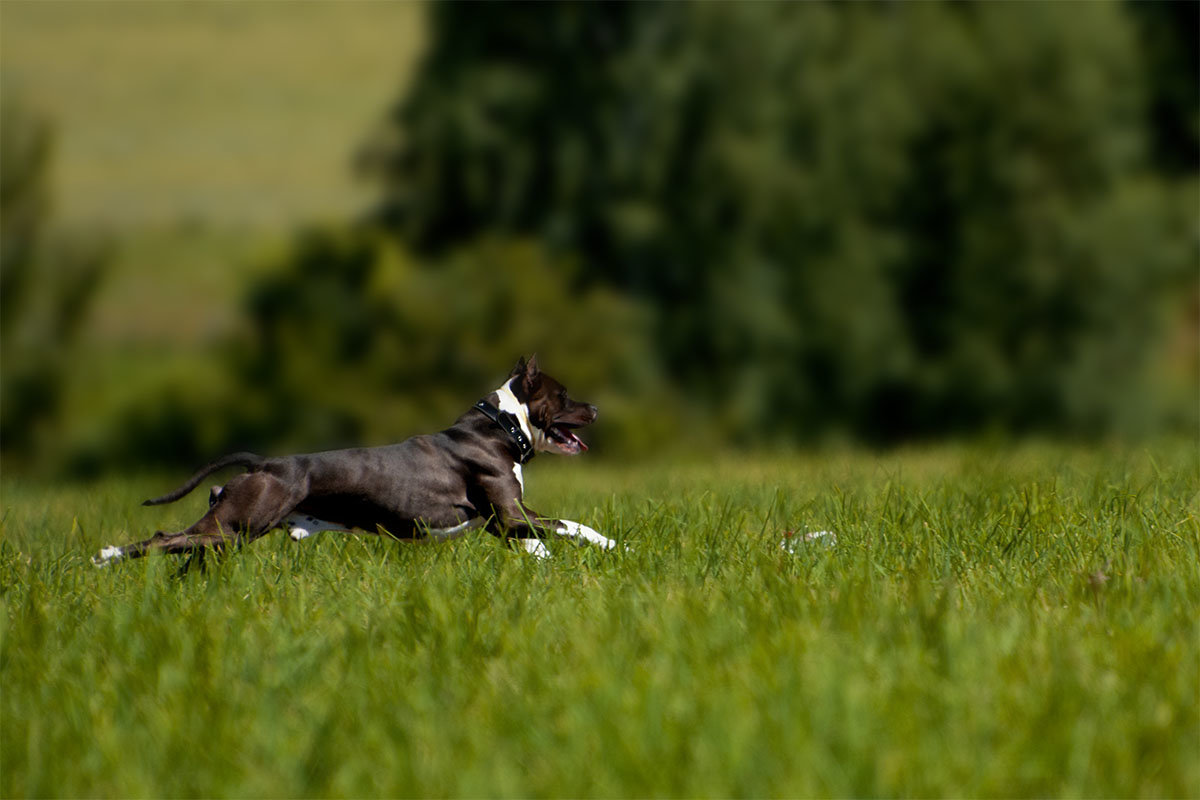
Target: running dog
{"x": 427, "y": 488}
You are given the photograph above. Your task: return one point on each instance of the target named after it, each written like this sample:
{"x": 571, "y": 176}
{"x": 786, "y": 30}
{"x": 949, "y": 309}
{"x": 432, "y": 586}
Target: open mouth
{"x": 566, "y": 440}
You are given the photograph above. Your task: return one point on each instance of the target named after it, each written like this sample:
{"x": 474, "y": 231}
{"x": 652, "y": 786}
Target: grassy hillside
{"x": 228, "y": 113}
{"x": 1018, "y": 623}
{"x": 199, "y": 134}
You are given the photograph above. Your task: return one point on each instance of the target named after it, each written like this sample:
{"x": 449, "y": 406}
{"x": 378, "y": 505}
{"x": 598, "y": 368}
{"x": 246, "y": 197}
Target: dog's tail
{"x": 231, "y": 460}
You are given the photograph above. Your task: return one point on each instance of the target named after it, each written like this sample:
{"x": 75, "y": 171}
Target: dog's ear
{"x": 526, "y": 372}
{"x": 525, "y": 369}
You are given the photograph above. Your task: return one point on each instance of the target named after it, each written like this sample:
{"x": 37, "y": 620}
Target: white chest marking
{"x": 520, "y": 479}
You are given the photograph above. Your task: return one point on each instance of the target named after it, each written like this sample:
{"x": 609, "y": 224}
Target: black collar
{"x": 511, "y": 426}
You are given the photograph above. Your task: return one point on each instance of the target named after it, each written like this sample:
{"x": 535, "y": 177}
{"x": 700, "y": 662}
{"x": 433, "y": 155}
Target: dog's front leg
{"x": 523, "y": 530}
{"x": 577, "y": 532}
{"x": 512, "y": 519}
{"x": 509, "y": 519}
{"x": 581, "y": 533}
{"x": 535, "y": 547}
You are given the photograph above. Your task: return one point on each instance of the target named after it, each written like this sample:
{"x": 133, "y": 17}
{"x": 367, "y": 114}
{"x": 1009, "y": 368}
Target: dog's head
{"x": 553, "y": 415}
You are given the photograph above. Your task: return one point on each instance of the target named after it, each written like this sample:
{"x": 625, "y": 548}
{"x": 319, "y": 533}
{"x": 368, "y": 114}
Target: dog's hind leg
{"x": 249, "y": 506}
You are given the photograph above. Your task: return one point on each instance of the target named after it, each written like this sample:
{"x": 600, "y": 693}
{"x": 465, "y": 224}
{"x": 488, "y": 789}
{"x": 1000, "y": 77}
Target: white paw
{"x": 583, "y": 533}
{"x": 535, "y": 547}
{"x": 299, "y": 533}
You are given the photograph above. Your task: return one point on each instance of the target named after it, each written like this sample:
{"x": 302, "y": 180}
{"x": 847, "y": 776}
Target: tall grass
{"x": 1018, "y": 622}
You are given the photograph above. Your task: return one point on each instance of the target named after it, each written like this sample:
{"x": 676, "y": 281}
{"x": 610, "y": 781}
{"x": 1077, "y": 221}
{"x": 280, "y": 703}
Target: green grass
{"x": 1015, "y": 622}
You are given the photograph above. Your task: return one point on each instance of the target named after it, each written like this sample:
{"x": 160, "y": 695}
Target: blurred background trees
{"x": 373, "y": 340}
{"x": 780, "y": 223}
{"x": 46, "y": 284}
{"x": 889, "y": 220}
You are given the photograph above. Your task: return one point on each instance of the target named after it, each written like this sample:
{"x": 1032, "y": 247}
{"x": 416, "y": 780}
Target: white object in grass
{"x": 793, "y": 543}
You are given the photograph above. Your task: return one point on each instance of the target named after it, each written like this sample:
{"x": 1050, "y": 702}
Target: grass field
{"x": 243, "y": 114}
{"x": 1014, "y": 622}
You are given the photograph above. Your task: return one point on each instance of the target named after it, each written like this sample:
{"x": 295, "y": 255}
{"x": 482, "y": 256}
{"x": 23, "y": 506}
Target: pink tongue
{"x": 575, "y": 439}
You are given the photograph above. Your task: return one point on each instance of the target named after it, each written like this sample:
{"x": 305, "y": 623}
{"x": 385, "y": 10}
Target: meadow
{"x": 1018, "y": 620}
{"x": 992, "y": 621}
{"x": 231, "y": 114}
